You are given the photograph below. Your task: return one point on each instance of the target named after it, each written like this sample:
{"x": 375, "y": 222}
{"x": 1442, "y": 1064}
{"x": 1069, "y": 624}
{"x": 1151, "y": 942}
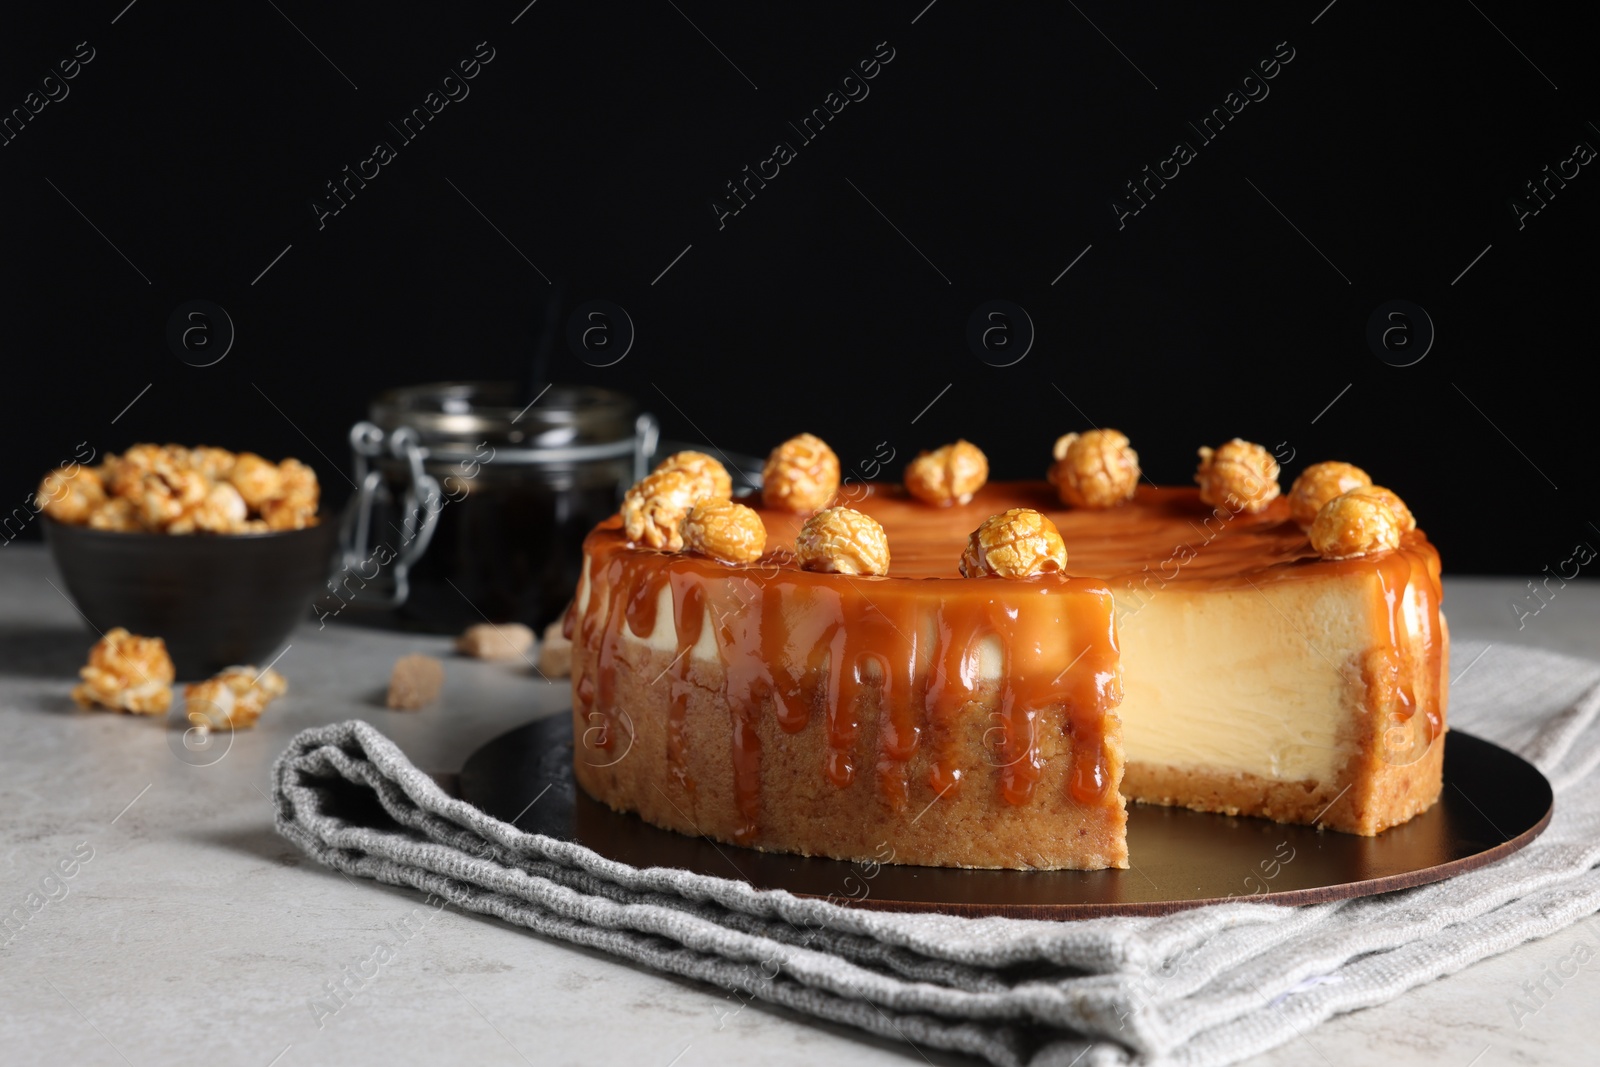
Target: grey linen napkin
{"x": 1208, "y": 986}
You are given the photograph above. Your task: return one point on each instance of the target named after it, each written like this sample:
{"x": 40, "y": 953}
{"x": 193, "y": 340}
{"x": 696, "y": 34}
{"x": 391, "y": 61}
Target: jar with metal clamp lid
{"x": 471, "y": 506}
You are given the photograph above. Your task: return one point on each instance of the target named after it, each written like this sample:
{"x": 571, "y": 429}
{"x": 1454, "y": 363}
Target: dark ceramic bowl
{"x": 216, "y": 599}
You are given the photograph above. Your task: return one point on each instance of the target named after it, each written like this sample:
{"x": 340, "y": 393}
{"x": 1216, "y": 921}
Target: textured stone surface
{"x": 195, "y": 935}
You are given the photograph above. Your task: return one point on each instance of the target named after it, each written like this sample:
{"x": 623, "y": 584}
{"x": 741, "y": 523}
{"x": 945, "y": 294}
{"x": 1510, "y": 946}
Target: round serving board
{"x": 1494, "y": 803}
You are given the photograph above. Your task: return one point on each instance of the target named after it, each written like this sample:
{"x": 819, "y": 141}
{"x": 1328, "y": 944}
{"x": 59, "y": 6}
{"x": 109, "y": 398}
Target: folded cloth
{"x": 1208, "y": 986}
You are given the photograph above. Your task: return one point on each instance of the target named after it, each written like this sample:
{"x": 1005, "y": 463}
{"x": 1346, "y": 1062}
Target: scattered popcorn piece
{"x": 948, "y": 475}
{"x": 801, "y": 475}
{"x": 1239, "y": 471}
{"x": 71, "y": 494}
{"x": 1354, "y": 524}
{"x": 725, "y": 531}
{"x": 1320, "y": 483}
{"x": 712, "y": 475}
{"x": 843, "y": 541}
{"x": 654, "y": 509}
{"x": 234, "y": 699}
{"x": 415, "y": 682}
{"x": 487, "y": 640}
{"x": 1094, "y": 469}
{"x": 555, "y": 652}
{"x": 128, "y": 673}
{"x": 1014, "y": 544}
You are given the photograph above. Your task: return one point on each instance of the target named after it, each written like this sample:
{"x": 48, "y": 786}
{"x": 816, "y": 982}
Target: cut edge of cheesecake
{"x": 1337, "y": 720}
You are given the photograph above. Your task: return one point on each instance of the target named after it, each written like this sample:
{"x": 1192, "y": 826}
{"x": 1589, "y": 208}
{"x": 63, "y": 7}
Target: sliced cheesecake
{"x": 1196, "y": 656}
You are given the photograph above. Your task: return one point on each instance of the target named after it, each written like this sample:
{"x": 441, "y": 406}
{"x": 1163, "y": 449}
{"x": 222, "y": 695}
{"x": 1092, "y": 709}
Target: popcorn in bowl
{"x": 177, "y": 490}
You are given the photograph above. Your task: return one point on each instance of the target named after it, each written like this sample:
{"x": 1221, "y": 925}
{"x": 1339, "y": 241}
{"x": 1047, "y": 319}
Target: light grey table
{"x": 195, "y": 935}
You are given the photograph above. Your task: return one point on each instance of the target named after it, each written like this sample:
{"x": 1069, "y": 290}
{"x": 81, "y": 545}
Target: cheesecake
{"x": 984, "y": 674}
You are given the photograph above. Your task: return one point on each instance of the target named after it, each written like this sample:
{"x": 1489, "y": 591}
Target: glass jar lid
{"x": 565, "y": 423}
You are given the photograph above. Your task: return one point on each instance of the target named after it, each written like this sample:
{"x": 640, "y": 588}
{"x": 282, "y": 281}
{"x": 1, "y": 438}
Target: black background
{"x": 985, "y": 159}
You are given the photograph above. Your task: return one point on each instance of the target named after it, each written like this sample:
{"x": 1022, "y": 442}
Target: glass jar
{"x": 472, "y": 507}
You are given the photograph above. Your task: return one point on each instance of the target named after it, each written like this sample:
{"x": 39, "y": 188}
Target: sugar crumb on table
{"x": 415, "y": 682}
{"x": 495, "y": 641}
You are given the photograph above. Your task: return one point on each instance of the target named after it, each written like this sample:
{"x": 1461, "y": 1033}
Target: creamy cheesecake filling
{"x": 1227, "y": 681}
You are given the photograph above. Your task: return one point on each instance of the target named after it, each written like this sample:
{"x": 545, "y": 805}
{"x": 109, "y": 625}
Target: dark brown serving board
{"x": 1494, "y": 803}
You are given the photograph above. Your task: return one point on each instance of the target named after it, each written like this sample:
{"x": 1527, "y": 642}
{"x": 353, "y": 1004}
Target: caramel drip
{"x": 1436, "y": 641}
{"x": 843, "y": 716}
{"x": 688, "y": 615}
{"x": 1418, "y": 656}
{"x": 899, "y": 731}
{"x": 643, "y": 599}
{"x": 793, "y": 709}
{"x": 952, "y": 682}
{"x": 623, "y": 590}
{"x": 601, "y": 679}
{"x": 736, "y": 624}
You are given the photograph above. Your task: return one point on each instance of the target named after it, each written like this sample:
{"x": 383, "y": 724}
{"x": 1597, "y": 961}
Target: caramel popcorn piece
{"x": 117, "y": 514}
{"x": 295, "y": 505}
{"x": 711, "y": 476}
{"x": 128, "y": 471}
{"x": 725, "y": 531}
{"x": 1320, "y": 483}
{"x": 843, "y": 541}
{"x": 222, "y": 511}
{"x": 1390, "y": 499}
{"x": 71, "y": 494}
{"x": 499, "y": 641}
{"x": 128, "y": 673}
{"x": 950, "y": 474}
{"x": 415, "y": 682}
{"x": 234, "y": 699}
{"x": 555, "y": 652}
{"x": 257, "y": 480}
{"x": 1354, "y": 524}
{"x": 213, "y": 463}
{"x": 1238, "y": 471}
{"x": 1094, "y": 469}
{"x": 165, "y": 495}
{"x": 1014, "y": 544}
{"x": 801, "y": 475}
{"x": 654, "y": 509}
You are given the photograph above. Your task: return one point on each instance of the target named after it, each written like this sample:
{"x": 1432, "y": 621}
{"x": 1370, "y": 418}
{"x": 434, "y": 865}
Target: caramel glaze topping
{"x": 815, "y": 646}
